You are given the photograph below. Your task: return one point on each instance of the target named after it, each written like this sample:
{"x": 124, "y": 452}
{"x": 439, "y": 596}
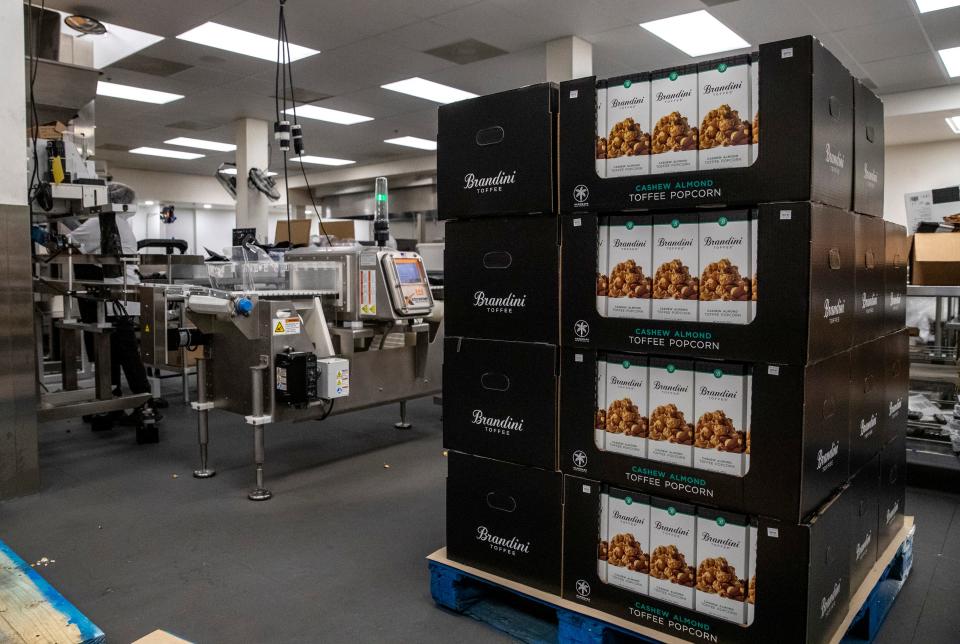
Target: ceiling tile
{"x": 844, "y": 14}
{"x": 943, "y": 27}
{"x": 880, "y": 41}
{"x": 906, "y": 73}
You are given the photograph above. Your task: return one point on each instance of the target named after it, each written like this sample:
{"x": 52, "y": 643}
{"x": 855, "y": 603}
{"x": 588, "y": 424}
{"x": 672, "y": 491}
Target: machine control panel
{"x": 296, "y": 378}
{"x": 407, "y": 282}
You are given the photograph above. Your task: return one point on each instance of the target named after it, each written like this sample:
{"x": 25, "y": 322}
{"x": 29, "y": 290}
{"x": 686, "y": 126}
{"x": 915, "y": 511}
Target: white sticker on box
{"x": 786, "y": 214}
{"x": 773, "y": 370}
{"x": 574, "y": 93}
{"x": 577, "y": 222}
{"x": 578, "y": 357}
{"x": 286, "y": 326}
{"x": 773, "y": 532}
{"x": 586, "y": 489}
{"x": 786, "y": 52}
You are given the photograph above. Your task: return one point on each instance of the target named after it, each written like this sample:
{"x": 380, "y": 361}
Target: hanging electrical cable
{"x": 286, "y": 133}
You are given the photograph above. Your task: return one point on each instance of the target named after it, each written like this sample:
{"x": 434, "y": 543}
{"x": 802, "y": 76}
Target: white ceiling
{"x": 366, "y": 43}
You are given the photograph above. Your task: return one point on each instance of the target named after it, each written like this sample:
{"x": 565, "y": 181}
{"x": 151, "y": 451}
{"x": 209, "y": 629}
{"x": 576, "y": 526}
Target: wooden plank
{"x": 160, "y": 637}
{"x": 858, "y": 599}
{"x": 31, "y": 610}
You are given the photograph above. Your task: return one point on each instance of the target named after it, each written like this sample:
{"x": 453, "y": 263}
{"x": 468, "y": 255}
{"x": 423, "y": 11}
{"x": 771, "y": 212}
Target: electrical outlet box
{"x": 334, "y": 377}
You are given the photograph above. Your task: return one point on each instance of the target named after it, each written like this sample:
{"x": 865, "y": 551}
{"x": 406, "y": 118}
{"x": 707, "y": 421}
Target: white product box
{"x": 673, "y": 556}
{"x": 600, "y": 416}
{"x": 676, "y": 263}
{"x": 629, "y": 267}
{"x": 603, "y": 265}
{"x": 600, "y": 153}
{"x": 754, "y": 106}
{"x": 721, "y": 411}
{"x": 722, "y": 552}
{"x": 673, "y": 119}
{"x": 602, "y": 555}
{"x": 751, "y": 572}
{"x": 754, "y": 275}
{"x": 725, "y": 265}
{"x": 628, "y": 126}
{"x": 671, "y": 405}
{"x": 627, "y": 415}
{"x": 725, "y": 131}
{"x": 628, "y": 562}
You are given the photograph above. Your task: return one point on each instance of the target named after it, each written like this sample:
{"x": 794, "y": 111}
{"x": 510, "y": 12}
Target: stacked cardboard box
{"x": 501, "y": 318}
{"x": 721, "y": 387}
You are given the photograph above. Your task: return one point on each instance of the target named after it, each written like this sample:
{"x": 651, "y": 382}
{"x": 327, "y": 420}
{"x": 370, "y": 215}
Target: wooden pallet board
{"x": 518, "y": 610}
{"x": 31, "y": 610}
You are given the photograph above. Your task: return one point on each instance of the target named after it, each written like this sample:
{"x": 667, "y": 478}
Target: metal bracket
{"x": 258, "y": 420}
{"x": 202, "y": 406}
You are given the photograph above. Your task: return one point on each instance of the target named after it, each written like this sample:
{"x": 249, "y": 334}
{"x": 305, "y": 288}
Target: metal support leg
{"x": 260, "y": 493}
{"x": 403, "y": 424}
{"x": 101, "y": 348}
{"x": 69, "y": 348}
{"x": 203, "y": 430}
{"x": 185, "y": 377}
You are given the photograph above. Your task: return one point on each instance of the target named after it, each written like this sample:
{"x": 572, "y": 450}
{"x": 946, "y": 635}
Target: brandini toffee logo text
{"x": 503, "y": 544}
{"x": 504, "y": 304}
{"x": 836, "y": 159}
{"x": 489, "y": 184}
{"x": 827, "y": 603}
{"x": 721, "y": 89}
{"x": 636, "y": 100}
{"x": 673, "y": 96}
{"x": 507, "y": 424}
{"x": 825, "y": 458}
{"x": 833, "y": 310}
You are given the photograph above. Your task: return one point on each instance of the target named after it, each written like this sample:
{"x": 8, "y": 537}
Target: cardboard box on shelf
{"x": 804, "y": 304}
{"x": 500, "y": 400}
{"x": 812, "y": 555}
{"x": 863, "y": 499}
{"x": 506, "y": 519}
{"x": 496, "y": 154}
{"x": 935, "y": 259}
{"x": 502, "y": 278}
{"x": 868, "y": 151}
{"x": 870, "y": 263}
{"x": 801, "y": 413}
{"x": 805, "y": 153}
{"x": 893, "y": 472}
{"x": 896, "y": 260}
{"x": 867, "y": 401}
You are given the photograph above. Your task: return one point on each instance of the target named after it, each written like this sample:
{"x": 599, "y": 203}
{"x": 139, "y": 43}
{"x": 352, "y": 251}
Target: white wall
{"x": 13, "y": 119}
{"x": 911, "y": 168}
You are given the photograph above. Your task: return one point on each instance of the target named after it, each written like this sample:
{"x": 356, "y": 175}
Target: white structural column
{"x": 569, "y": 57}
{"x": 253, "y": 139}
{"x": 19, "y": 469}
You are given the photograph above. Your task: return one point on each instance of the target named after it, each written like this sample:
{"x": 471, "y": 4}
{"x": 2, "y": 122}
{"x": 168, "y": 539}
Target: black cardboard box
{"x": 867, "y": 401}
{"x": 897, "y": 259}
{"x": 804, "y": 308}
{"x": 863, "y": 499}
{"x": 502, "y": 279}
{"x": 869, "y": 278}
{"x": 496, "y": 154}
{"x": 896, "y": 355}
{"x": 808, "y": 608}
{"x": 500, "y": 400}
{"x": 805, "y": 149}
{"x": 868, "y": 151}
{"x": 800, "y": 415}
{"x": 893, "y": 474}
{"x": 505, "y": 519}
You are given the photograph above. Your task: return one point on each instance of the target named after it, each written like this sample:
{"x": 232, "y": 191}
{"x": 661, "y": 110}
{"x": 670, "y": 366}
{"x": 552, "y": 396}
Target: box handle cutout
{"x": 895, "y": 368}
{"x": 834, "y": 106}
{"x": 494, "y": 381}
{"x": 833, "y": 257}
{"x": 829, "y": 408}
{"x": 894, "y": 474}
{"x": 490, "y": 135}
{"x": 897, "y": 260}
{"x": 502, "y": 502}
{"x": 861, "y": 509}
{"x": 871, "y": 134}
{"x": 868, "y": 384}
{"x": 870, "y": 259}
{"x": 497, "y": 259}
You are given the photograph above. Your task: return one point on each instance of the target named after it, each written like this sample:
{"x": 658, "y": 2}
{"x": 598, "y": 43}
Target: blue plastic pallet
{"x": 536, "y": 621}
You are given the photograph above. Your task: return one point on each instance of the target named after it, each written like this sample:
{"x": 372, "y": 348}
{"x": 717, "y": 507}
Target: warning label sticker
{"x": 368, "y": 292}
{"x": 286, "y": 326}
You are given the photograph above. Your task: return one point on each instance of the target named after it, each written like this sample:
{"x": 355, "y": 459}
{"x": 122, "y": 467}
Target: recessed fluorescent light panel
{"x": 233, "y": 171}
{"x": 148, "y": 203}
{"x": 328, "y": 115}
{"x": 207, "y": 206}
{"x": 242, "y": 42}
{"x": 172, "y": 154}
{"x": 422, "y": 88}
{"x": 954, "y": 123}
{"x": 413, "y": 142}
{"x": 200, "y": 144}
{"x": 926, "y": 6}
{"x": 321, "y": 160}
{"x": 951, "y": 60}
{"x": 696, "y": 34}
{"x": 129, "y": 93}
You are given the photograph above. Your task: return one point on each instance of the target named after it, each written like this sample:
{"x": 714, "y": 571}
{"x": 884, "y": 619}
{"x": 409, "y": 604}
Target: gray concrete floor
{"x": 336, "y": 556}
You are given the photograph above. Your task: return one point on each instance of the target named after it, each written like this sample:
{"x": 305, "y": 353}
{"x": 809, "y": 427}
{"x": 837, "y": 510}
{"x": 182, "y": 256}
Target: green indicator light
{"x": 381, "y": 197}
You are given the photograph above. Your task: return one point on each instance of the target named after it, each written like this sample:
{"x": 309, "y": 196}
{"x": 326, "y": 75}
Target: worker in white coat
{"x": 112, "y": 235}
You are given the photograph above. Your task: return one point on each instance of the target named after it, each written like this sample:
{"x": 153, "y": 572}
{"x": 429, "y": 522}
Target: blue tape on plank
{"x": 89, "y": 632}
